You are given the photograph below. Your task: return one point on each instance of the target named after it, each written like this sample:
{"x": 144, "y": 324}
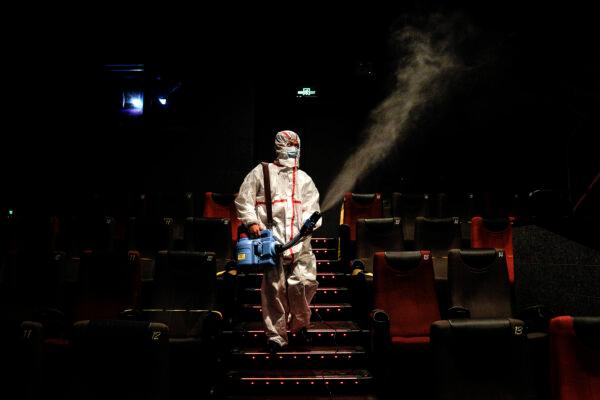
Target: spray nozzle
{"x": 306, "y": 230}
{"x": 310, "y": 224}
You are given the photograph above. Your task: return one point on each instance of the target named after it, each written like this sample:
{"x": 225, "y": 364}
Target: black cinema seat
{"x": 21, "y": 359}
{"x": 438, "y": 235}
{"x": 377, "y": 234}
{"x": 182, "y": 296}
{"x": 116, "y": 358}
{"x": 494, "y": 233}
{"x": 409, "y": 206}
{"x": 209, "y": 234}
{"x": 482, "y": 359}
{"x": 478, "y": 284}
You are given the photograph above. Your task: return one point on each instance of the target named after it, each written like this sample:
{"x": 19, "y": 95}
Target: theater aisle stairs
{"x": 334, "y": 365}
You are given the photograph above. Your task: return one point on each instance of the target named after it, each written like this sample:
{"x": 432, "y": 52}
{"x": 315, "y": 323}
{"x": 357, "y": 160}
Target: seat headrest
{"x": 438, "y": 221}
{"x": 223, "y": 199}
{"x": 363, "y": 198}
{"x": 476, "y": 258}
{"x": 180, "y": 257}
{"x": 477, "y": 329}
{"x": 587, "y": 330}
{"x": 496, "y": 224}
{"x": 207, "y": 222}
{"x": 403, "y": 260}
{"x": 110, "y": 328}
{"x": 379, "y": 224}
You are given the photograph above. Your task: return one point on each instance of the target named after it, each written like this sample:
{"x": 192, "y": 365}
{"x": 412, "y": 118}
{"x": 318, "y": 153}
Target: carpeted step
{"x": 323, "y": 243}
{"x": 322, "y": 333}
{"x": 298, "y": 356}
{"x": 329, "y": 279}
{"x": 321, "y": 311}
{"x": 313, "y": 381}
{"x": 324, "y": 295}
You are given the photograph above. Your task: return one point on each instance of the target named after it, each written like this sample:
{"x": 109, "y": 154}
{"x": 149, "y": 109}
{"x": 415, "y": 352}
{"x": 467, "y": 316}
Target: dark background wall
{"x": 521, "y": 117}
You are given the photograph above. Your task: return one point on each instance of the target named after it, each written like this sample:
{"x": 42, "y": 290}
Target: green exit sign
{"x": 306, "y": 92}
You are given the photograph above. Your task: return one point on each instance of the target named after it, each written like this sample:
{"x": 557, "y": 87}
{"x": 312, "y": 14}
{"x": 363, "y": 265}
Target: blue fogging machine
{"x": 264, "y": 251}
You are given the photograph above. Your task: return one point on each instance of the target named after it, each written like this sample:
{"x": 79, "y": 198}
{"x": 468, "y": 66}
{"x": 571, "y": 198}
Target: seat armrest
{"x": 458, "y": 312}
{"x": 361, "y": 283}
{"x": 346, "y": 253}
{"x": 536, "y": 317}
{"x": 379, "y": 327}
{"x": 358, "y": 264}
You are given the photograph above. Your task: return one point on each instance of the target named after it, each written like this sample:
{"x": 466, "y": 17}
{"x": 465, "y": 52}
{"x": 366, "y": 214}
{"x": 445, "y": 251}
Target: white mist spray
{"x": 418, "y": 80}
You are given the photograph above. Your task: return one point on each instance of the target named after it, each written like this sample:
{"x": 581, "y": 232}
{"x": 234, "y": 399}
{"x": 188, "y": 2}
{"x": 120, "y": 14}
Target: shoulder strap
{"x": 268, "y": 201}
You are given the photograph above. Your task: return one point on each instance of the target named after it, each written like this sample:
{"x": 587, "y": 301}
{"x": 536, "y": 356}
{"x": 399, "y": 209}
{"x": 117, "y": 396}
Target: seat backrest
{"x": 183, "y": 280}
{"x": 377, "y": 234}
{"x": 481, "y": 359}
{"x": 438, "y": 235}
{"x": 222, "y": 205}
{"x": 182, "y": 293}
{"x": 148, "y": 235}
{"x": 459, "y": 205}
{"x": 26, "y": 281}
{"x": 93, "y": 232}
{"x": 547, "y": 205}
{"x": 500, "y": 205}
{"x": 409, "y": 206}
{"x": 107, "y": 284}
{"x": 196, "y": 325}
{"x": 176, "y": 205}
{"x": 404, "y": 288}
{"x": 128, "y": 358}
{"x": 209, "y": 234}
{"x": 496, "y": 234}
{"x": 357, "y": 206}
{"x": 28, "y": 234}
{"x": 575, "y": 357}
{"x": 22, "y": 358}
{"x": 478, "y": 282}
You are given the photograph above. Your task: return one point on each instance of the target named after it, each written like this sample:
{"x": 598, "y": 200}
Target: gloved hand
{"x": 254, "y": 230}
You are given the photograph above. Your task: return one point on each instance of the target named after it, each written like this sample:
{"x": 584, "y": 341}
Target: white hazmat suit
{"x": 294, "y": 199}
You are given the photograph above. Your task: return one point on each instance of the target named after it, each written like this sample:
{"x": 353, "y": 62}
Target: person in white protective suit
{"x": 294, "y": 199}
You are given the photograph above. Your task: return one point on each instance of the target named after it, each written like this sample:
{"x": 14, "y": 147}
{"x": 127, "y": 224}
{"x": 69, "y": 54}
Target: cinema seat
{"x": 438, "y": 235}
{"x": 126, "y": 359}
{"x": 481, "y": 359}
{"x": 575, "y": 358}
{"x": 21, "y": 350}
{"x": 478, "y": 284}
{"x": 377, "y": 234}
{"x": 356, "y": 206}
{"x": 496, "y": 234}
{"x": 407, "y": 207}
{"x": 209, "y": 235}
{"x": 222, "y": 205}
{"x": 405, "y": 305}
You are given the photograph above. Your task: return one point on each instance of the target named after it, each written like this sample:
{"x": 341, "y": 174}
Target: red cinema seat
{"x": 222, "y": 205}
{"x": 404, "y": 288}
{"x": 357, "y": 206}
{"x": 406, "y": 305}
{"x": 575, "y": 358}
{"x": 496, "y": 234}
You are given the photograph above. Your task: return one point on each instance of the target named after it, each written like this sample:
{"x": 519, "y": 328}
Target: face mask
{"x": 292, "y": 152}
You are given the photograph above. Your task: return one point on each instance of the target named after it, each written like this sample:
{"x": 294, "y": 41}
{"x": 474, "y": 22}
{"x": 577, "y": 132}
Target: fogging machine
{"x": 264, "y": 251}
